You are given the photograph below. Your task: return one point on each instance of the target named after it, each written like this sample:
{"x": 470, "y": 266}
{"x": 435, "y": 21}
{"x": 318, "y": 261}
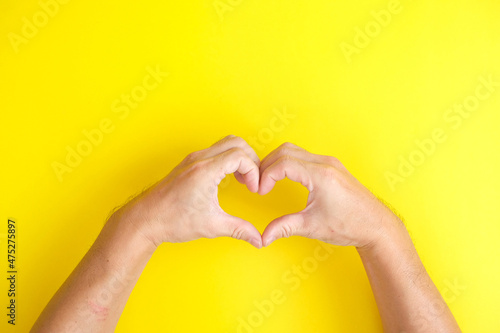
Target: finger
{"x": 286, "y": 167}
{"x": 284, "y": 226}
{"x": 289, "y": 149}
{"x": 238, "y": 228}
{"x": 227, "y": 143}
{"x": 239, "y": 177}
{"x": 236, "y": 160}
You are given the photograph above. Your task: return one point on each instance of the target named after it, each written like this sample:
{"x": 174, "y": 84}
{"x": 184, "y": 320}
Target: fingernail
{"x": 256, "y": 242}
{"x": 270, "y": 240}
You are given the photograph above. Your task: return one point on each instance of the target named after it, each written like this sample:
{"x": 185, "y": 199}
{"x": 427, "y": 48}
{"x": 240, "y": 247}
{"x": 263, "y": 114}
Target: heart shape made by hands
{"x": 287, "y": 197}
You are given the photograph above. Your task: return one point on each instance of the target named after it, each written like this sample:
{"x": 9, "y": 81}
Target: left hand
{"x": 340, "y": 210}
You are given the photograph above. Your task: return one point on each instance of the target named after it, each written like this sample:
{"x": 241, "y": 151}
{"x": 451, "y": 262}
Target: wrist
{"x": 127, "y": 228}
{"x": 391, "y": 231}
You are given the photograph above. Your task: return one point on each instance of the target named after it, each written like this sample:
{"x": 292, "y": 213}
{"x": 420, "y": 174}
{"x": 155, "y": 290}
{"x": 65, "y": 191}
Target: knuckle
{"x": 285, "y": 151}
{"x": 232, "y": 137}
{"x": 286, "y": 148}
{"x": 238, "y": 232}
{"x": 224, "y": 140}
{"x": 192, "y": 157}
{"x": 327, "y": 172}
{"x": 286, "y": 230}
{"x": 288, "y": 145}
{"x": 238, "y": 140}
{"x": 283, "y": 160}
{"x": 236, "y": 152}
{"x": 332, "y": 160}
{"x": 335, "y": 162}
{"x": 198, "y": 166}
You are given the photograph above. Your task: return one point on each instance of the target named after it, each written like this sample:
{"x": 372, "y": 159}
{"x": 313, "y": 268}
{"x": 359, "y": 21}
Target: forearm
{"x": 94, "y": 296}
{"x": 407, "y": 299}
{"x": 179, "y": 208}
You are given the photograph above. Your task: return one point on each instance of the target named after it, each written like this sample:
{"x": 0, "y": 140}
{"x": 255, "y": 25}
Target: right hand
{"x": 340, "y": 210}
{"x": 184, "y": 205}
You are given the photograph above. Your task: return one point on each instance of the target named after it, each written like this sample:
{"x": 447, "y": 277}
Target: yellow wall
{"x": 232, "y": 66}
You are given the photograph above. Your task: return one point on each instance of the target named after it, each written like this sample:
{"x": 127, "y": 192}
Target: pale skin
{"x": 184, "y": 206}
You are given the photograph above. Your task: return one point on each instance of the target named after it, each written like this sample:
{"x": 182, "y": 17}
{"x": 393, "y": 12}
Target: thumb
{"x": 238, "y": 228}
{"x": 284, "y": 226}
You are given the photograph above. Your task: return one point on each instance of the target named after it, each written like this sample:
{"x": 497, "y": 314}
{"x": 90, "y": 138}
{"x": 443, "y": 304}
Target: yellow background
{"x": 226, "y": 76}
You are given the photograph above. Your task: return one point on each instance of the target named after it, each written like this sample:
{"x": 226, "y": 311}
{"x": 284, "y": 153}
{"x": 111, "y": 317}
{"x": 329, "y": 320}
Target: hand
{"x": 184, "y": 205}
{"x": 340, "y": 210}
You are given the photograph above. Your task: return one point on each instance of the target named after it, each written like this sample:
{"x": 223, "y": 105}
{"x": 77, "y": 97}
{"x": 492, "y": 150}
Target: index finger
{"x": 229, "y": 142}
{"x": 236, "y": 160}
{"x": 286, "y": 167}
